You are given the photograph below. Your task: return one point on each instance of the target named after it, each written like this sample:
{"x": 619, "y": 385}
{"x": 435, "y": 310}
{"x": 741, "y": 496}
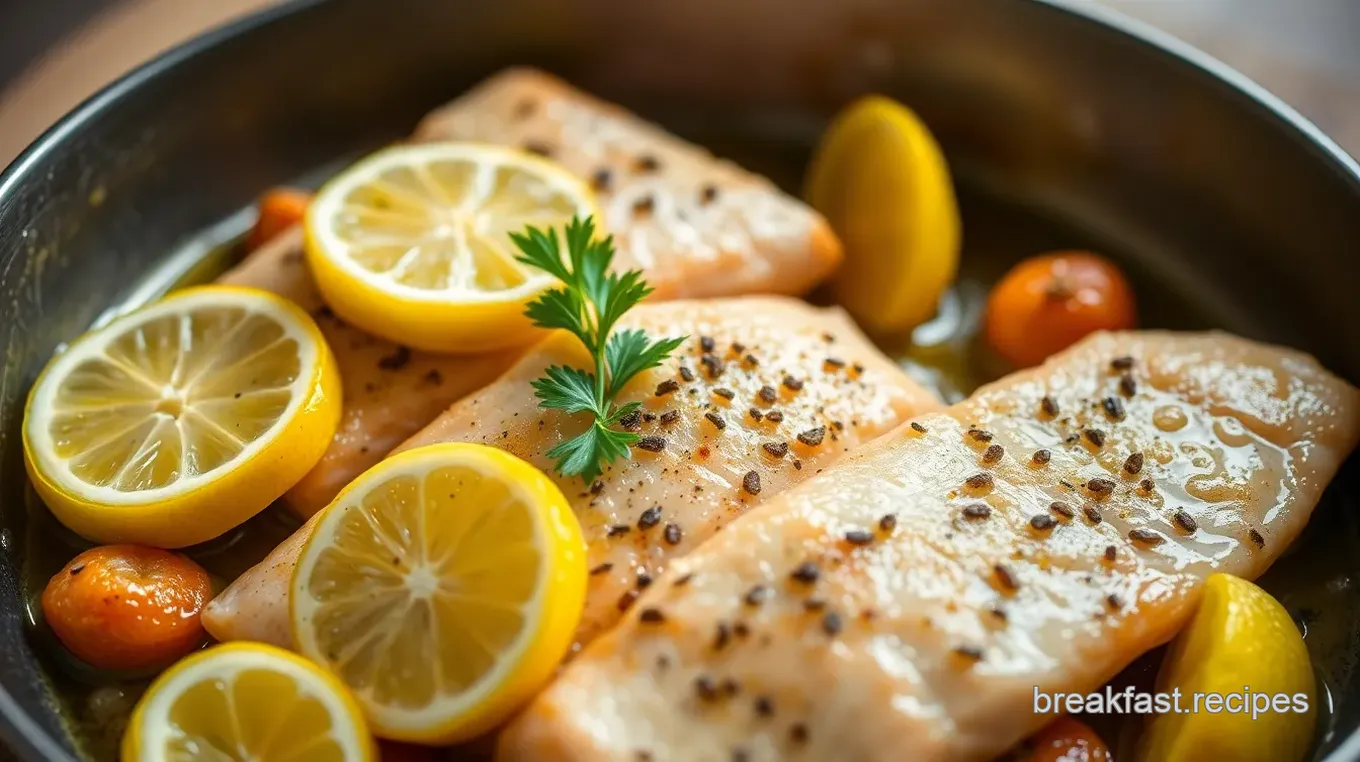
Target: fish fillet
{"x": 390, "y": 391}
{"x": 722, "y": 418}
{"x": 906, "y": 604}
{"x": 698, "y": 226}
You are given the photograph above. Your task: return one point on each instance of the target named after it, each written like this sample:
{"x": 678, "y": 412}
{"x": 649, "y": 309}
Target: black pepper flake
{"x": 397, "y": 360}
{"x": 1042, "y": 522}
{"x": 644, "y": 205}
{"x": 618, "y": 530}
{"x": 888, "y": 522}
{"x": 670, "y": 416}
{"x": 716, "y": 420}
{"x": 767, "y": 394}
{"x": 774, "y": 416}
{"x": 835, "y": 363}
{"x": 672, "y": 534}
{"x": 806, "y": 572}
{"x": 1092, "y": 515}
{"x": 652, "y": 442}
{"x": 1122, "y": 363}
{"x": 597, "y": 487}
{"x": 1145, "y": 536}
{"x": 798, "y": 733}
{"x": 644, "y": 580}
{"x": 776, "y": 449}
{"x": 1100, "y": 487}
{"x": 859, "y": 537}
{"x": 1041, "y": 457}
{"x": 1256, "y": 538}
{"x": 979, "y": 482}
{"x": 650, "y": 517}
{"x": 1133, "y": 464}
{"x": 1062, "y": 509}
{"x": 706, "y": 688}
{"x": 725, "y": 393}
{"x": 538, "y": 147}
{"x": 793, "y": 384}
{"x": 1146, "y": 485}
{"x": 978, "y": 435}
{"x": 738, "y": 347}
{"x": 708, "y": 193}
{"x": 751, "y": 482}
{"x": 1114, "y": 408}
{"x": 666, "y": 387}
{"x": 647, "y": 163}
{"x": 601, "y": 569}
{"x": 1095, "y": 436}
{"x": 1185, "y": 521}
{"x": 977, "y": 511}
{"x": 630, "y": 422}
{"x": 1006, "y": 577}
{"x": 814, "y": 604}
{"x": 712, "y": 365}
{"x": 626, "y": 600}
{"x": 797, "y": 465}
{"x": 1127, "y": 386}
{"x": 707, "y": 344}
{"x": 434, "y": 377}
{"x": 1115, "y": 601}
{"x": 651, "y": 615}
{"x": 722, "y": 637}
{"x": 648, "y": 417}
{"x": 78, "y": 568}
{"x": 601, "y": 180}
{"x": 764, "y": 706}
{"x": 832, "y": 624}
{"x": 741, "y": 630}
{"x": 971, "y": 653}
{"x": 812, "y": 437}
{"x": 686, "y": 373}
{"x": 756, "y": 595}
{"x": 1111, "y": 553}
{"x": 1049, "y": 406}
{"x": 993, "y": 453}
{"x": 918, "y": 428}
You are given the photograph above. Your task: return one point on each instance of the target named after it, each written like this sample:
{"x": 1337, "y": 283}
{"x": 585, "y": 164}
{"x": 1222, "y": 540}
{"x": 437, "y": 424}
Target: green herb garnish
{"x": 589, "y": 305}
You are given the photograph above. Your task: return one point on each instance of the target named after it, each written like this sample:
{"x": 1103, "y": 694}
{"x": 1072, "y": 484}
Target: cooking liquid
{"x": 1315, "y": 580}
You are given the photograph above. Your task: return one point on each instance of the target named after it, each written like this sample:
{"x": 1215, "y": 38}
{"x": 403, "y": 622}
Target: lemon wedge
{"x": 1240, "y": 639}
{"x": 247, "y": 701}
{"x": 413, "y": 243}
{"x": 881, "y": 180}
{"x": 179, "y": 421}
{"x": 443, "y": 586}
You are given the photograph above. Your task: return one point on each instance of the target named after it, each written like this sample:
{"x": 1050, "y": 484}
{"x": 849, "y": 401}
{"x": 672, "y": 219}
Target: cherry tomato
{"x": 1068, "y": 740}
{"x": 280, "y": 209}
{"x": 126, "y": 607}
{"x": 1047, "y": 303}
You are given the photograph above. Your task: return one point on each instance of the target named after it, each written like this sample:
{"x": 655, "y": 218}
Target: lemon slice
{"x": 881, "y": 180}
{"x": 175, "y": 423}
{"x": 247, "y": 701}
{"x": 1240, "y": 639}
{"x": 443, "y": 586}
{"x": 413, "y": 242}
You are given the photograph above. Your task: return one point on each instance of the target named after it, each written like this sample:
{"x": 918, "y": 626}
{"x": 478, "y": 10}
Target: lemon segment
{"x": 881, "y": 181}
{"x": 443, "y": 587}
{"x": 413, "y": 243}
{"x": 179, "y": 421}
{"x": 247, "y": 701}
{"x": 1240, "y": 639}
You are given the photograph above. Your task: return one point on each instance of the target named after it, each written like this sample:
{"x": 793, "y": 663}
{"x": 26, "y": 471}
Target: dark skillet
{"x": 1064, "y": 129}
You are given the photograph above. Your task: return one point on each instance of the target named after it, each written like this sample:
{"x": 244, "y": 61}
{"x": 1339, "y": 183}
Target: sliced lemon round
{"x": 413, "y": 243}
{"x": 1241, "y": 640}
{"x": 247, "y": 701}
{"x": 443, "y": 586}
{"x": 179, "y": 421}
{"x": 881, "y": 180}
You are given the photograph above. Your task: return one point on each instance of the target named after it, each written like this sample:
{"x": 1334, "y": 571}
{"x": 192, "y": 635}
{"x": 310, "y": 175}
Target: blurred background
{"x": 54, "y": 53}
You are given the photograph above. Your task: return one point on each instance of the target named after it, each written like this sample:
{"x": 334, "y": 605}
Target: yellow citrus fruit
{"x": 179, "y": 421}
{"x": 413, "y": 242}
{"x": 247, "y": 701}
{"x": 881, "y": 180}
{"x": 1240, "y": 640}
{"x": 443, "y": 586}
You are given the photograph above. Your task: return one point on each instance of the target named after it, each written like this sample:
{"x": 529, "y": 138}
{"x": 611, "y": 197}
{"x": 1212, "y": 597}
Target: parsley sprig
{"x": 589, "y": 305}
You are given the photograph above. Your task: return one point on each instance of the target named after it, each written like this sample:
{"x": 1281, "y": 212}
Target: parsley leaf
{"x": 589, "y": 303}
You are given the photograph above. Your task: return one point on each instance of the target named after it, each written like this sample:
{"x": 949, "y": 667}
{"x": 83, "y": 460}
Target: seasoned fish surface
{"x": 390, "y": 391}
{"x": 698, "y": 226}
{"x": 766, "y": 392}
{"x": 1042, "y": 535}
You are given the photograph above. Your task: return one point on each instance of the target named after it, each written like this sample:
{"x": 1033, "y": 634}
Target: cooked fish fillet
{"x": 767, "y": 392}
{"x": 390, "y": 391}
{"x": 698, "y": 226}
{"x": 907, "y": 604}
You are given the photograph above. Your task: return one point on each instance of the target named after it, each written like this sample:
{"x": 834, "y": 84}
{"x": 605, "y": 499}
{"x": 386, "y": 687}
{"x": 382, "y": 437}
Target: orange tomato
{"x": 1047, "y": 303}
{"x": 1067, "y": 740}
{"x": 280, "y": 209}
{"x": 127, "y": 607}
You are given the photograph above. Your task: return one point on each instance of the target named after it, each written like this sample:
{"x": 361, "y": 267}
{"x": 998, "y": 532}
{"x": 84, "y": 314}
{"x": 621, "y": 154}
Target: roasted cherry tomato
{"x": 1067, "y": 740}
{"x": 280, "y": 209}
{"x": 1047, "y": 303}
{"x": 127, "y": 607}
